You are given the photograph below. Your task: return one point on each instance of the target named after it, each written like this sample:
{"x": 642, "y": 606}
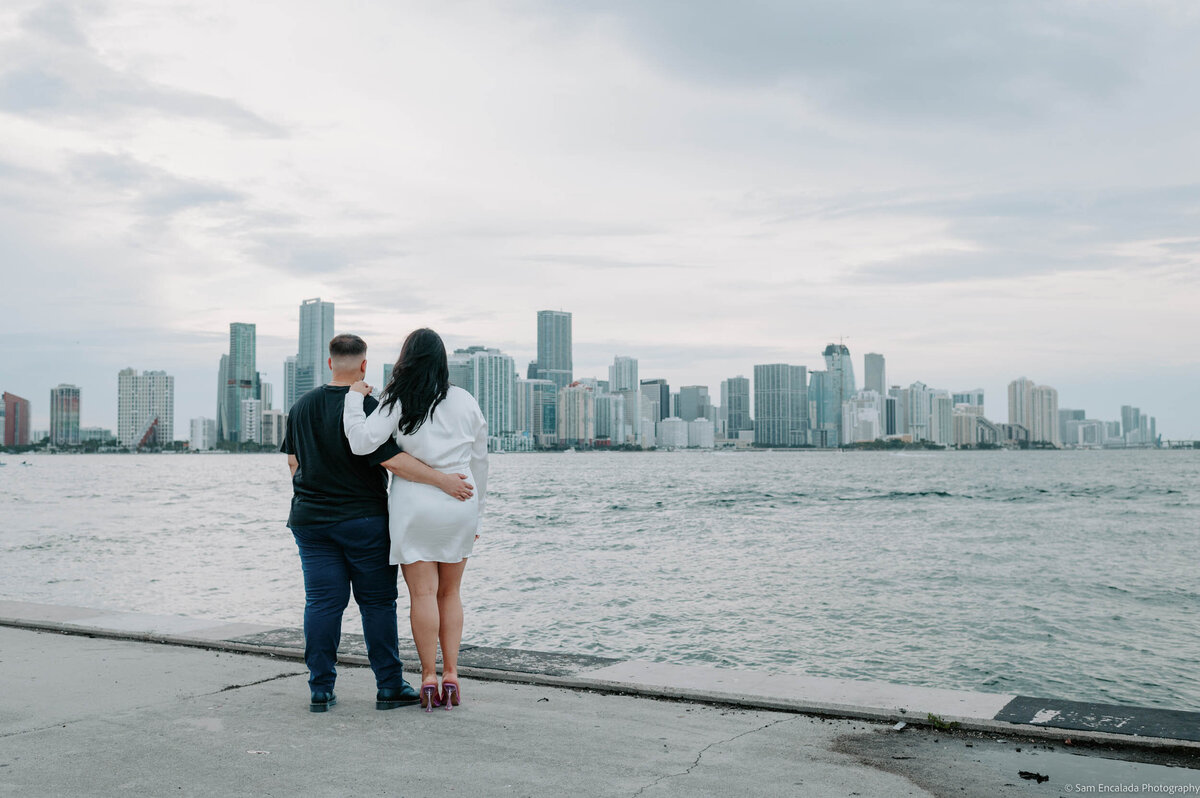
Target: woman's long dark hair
{"x": 419, "y": 379}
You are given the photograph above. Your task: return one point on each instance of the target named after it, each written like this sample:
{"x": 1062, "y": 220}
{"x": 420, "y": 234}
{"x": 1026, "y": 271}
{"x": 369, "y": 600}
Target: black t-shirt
{"x": 332, "y": 484}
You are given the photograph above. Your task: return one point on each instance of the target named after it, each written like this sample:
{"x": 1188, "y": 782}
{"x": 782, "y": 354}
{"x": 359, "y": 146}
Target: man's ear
{"x": 363, "y": 366}
{"x": 329, "y": 362}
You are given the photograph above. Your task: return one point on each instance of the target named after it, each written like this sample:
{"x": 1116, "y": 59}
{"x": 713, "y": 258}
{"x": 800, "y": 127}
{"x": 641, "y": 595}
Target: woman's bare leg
{"x": 450, "y": 613}
{"x": 422, "y": 580}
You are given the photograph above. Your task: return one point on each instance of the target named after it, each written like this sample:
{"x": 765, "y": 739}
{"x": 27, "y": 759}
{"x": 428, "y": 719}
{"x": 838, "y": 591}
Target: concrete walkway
{"x": 100, "y": 716}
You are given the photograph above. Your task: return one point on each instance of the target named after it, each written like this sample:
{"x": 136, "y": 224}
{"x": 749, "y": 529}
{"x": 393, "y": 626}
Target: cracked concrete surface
{"x": 100, "y": 717}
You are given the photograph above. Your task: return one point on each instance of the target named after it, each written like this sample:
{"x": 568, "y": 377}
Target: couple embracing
{"x": 341, "y": 445}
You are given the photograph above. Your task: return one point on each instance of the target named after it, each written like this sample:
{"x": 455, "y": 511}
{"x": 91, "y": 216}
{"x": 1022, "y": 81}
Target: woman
{"x": 432, "y": 533}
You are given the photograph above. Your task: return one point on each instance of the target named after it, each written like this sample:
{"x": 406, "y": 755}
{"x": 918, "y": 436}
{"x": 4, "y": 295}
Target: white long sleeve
{"x": 479, "y": 467}
{"x": 367, "y": 433}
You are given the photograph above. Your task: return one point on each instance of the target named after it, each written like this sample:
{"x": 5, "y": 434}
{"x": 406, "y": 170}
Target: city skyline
{"x": 704, "y": 188}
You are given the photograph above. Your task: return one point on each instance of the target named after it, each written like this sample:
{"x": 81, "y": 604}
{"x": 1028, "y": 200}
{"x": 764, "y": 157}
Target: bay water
{"x": 1069, "y": 574}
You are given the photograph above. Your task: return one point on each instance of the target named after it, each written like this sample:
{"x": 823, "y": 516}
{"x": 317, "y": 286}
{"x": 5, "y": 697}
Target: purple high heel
{"x": 450, "y": 693}
{"x": 430, "y": 697}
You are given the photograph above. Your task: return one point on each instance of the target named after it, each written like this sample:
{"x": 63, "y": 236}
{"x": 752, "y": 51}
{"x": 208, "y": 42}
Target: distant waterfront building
{"x": 145, "y": 409}
{"x": 1067, "y": 433}
{"x": 273, "y": 428}
{"x": 493, "y": 377}
{"x": 735, "y": 405}
{"x": 862, "y": 417}
{"x": 387, "y": 375}
{"x": 316, "y": 331}
{"x": 554, "y": 359}
{"x": 576, "y": 415}
{"x": 917, "y": 400}
{"x": 461, "y": 370}
{"x": 780, "y": 405}
{"x": 251, "y": 427}
{"x": 672, "y": 433}
{"x": 658, "y": 391}
{"x": 1044, "y": 416}
{"x": 1131, "y": 423}
{"x": 875, "y": 373}
{"x": 974, "y": 398}
{"x": 64, "y": 415}
{"x": 96, "y": 434}
{"x": 840, "y": 382}
{"x": 891, "y": 416}
{"x": 694, "y": 402}
{"x": 289, "y": 383}
{"x": 966, "y": 429}
{"x": 241, "y": 380}
{"x": 1020, "y": 402}
{"x": 700, "y": 434}
{"x": 204, "y": 434}
{"x": 623, "y": 375}
{"x": 941, "y": 418}
{"x": 16, "y": 420}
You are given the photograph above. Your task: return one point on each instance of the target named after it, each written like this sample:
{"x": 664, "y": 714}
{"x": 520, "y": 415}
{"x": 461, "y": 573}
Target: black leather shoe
{"x": 392, "y": 697}
{"x": 322, "y": 701}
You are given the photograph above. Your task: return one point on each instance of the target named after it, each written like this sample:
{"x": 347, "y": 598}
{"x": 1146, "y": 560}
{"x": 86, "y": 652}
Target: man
{"x": 339, "y": 521}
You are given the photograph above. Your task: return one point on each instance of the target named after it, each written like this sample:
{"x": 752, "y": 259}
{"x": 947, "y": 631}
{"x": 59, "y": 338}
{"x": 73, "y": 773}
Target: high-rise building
{"x": 16, "y": 420}
{"x": 387, "y": 375}
{"x": 875, "y": 373}
{"x": 316, "y": 331}
{"x": 1044, "y": 416}
{"x": 272, "y": 428}
{"x": 700, "y": 434}
{"x": 694, "y": 402}
{"x": 623, "y": 374}
{"x": 780, "y": 405}
{"x": 735, "y": 405}
{"x": 862, "y": 417}
{"x": 289, "y": 383}
{"x": 1020, "y": 402}
{"x": 64, "y": 415}
{"x": 493, "y": 377}
{"x": 974, "y": 398}
{"x": 251, "y": 428}
{"x": 840, "y": 382}
{"x": 204, "y": 434}
{"x": 941, "y": 418}
{"x": 658, "y": 391}
{"x": 1131, "y": 423}
{"x": 145, "y": 409}
{"x": 241, "y": 379}
{"x": 576, "y": 415}
{"x": 917, "y": 399}
{"x": 1067, "y": 432}
{"x": 554, "y": 360}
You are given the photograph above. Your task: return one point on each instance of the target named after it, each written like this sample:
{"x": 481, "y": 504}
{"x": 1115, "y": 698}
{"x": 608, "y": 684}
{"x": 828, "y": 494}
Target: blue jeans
{"x": 334, "y": 558}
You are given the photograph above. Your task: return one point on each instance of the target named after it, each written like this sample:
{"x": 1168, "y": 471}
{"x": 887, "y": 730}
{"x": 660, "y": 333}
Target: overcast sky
{"x": 979, "y": 191}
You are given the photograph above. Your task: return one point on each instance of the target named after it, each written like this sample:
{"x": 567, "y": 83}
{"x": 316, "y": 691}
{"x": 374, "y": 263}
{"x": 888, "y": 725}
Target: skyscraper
{"x": 554, "y": 361}
{"x": 1020, "y": 402}
{"x": 1044, "y": 416}
{"x": 735, "y": 404}
{"x": 623, "y": 374}
{"x": 316, "y": 330}
{"x": 493, "y": 377}
{"x": 241, "y": 380}
{"x": 694, "y": 402}
{"x": 576, "y": 415}
{"x": 289, "y": 383}
{"x": 204, "y": 434}
{"x": 874, "y": 373}
{"x": 64, "y": 415}
{"x": 145, "y": 409}
{"x": 839, "y": 382}
{"x": 659, "y": 391}
{"x": 16, "y": 420}
{"x": 780, "y": 405}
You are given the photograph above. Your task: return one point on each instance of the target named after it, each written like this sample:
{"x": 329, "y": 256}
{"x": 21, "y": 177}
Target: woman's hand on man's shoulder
{"x": 361, "y": 387}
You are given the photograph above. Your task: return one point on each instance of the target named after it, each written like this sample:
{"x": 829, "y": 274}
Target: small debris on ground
{"x": 1031, "y": 776}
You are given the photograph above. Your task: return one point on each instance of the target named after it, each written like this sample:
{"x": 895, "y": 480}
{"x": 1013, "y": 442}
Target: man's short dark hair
{"x": 346, "y": 345}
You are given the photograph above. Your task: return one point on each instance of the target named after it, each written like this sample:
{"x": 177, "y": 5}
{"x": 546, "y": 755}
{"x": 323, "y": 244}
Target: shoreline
{"x": 1175, "y": 731}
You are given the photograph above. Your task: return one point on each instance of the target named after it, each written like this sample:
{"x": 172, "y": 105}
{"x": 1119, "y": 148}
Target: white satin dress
{"x": 425, "y": 523}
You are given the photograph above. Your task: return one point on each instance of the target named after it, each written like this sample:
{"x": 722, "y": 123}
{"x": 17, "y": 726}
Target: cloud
{"x": 155, "y": 192}
{"x": 975, "y": 62}
{"x": 55, "y": 73}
